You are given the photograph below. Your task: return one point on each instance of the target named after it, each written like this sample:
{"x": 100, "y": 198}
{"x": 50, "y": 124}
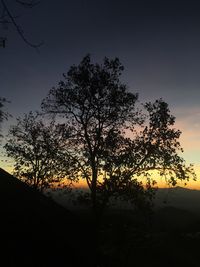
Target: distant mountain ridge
{"x": 179, "y": 197}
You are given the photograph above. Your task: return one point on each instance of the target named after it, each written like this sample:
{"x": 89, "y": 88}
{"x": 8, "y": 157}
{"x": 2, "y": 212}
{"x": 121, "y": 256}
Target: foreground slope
{"x": 36, "y": 231}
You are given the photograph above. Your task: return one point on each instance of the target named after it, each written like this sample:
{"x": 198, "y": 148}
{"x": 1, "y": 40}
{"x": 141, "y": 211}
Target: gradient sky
{"x": 158, "y": 42}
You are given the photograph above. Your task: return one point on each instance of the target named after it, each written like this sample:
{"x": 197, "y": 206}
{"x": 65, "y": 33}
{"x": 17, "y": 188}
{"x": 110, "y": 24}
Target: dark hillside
{"x": 170, "y": 218}
{"x": 36, "y": 231}
{"x": 179, "y": 197}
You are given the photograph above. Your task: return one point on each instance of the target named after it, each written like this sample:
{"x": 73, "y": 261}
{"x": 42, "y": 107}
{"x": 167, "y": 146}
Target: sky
{"x": 158, "y": 42}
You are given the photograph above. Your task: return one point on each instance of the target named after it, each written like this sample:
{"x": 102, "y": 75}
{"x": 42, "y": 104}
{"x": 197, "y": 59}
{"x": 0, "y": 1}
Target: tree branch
{"x": 30, "y": 4}
{"x": 17, "y": 27}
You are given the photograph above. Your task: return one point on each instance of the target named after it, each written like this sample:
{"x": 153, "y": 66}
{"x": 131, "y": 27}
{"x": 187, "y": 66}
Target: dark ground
{"x": 126, "y": 241}
{"x": 35, "y": 231}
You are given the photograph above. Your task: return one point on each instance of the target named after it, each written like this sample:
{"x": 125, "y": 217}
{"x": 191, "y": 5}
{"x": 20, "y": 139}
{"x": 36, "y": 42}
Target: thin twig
{"x": 20, "y": 32}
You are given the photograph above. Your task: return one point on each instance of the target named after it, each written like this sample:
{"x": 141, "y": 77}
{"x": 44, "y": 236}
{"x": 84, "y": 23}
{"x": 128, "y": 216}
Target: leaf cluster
{"x": 37, "y": 149}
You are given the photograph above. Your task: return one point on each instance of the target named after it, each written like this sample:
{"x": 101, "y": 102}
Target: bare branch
{"x": 16, "y": 25}
{"x": 29, "y": 4}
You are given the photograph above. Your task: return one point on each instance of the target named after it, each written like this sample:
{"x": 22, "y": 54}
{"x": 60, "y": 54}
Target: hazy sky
{"x": 158, "y": 42}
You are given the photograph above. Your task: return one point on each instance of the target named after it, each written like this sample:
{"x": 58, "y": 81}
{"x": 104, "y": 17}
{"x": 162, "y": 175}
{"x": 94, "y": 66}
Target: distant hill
{"x": 175, "y": 208}
{"x": 35, "y": 230}
{"x": 179, "y": 197}
{"x": 170, "y": 237}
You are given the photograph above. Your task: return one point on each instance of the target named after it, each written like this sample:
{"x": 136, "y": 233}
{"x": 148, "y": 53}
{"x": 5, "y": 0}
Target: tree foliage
{"x": 36, "y": 148}
{"x": 114, "y": 143}
{"x": 3, "y": 114}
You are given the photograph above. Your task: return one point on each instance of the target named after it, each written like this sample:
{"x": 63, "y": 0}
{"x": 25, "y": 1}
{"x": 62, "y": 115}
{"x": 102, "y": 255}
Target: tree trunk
{"x": 94, "y": 191}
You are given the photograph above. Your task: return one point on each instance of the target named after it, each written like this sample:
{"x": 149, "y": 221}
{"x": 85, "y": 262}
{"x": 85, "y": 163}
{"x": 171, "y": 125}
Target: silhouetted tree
{"x": 3, "y": 114}
{"x": 115, "y": 145}
{"x": 36, "y": 148}
{"x": 8, "y": 17}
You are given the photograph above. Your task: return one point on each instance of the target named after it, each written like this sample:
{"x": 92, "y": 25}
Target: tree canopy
{"x": 36, "y": 148}
{"x": 112, "y": 142}
{"x": 3, "y": 114}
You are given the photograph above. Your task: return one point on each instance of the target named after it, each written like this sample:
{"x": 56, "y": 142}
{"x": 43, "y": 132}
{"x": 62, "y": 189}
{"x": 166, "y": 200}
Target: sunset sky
{"x": 158, "y": 42}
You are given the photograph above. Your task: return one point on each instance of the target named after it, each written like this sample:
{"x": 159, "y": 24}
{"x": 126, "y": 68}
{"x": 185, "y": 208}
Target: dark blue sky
{"x": 158, "y": 42}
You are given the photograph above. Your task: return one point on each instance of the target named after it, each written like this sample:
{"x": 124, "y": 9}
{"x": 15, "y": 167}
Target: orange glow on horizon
{"x": 161, "y": 183}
